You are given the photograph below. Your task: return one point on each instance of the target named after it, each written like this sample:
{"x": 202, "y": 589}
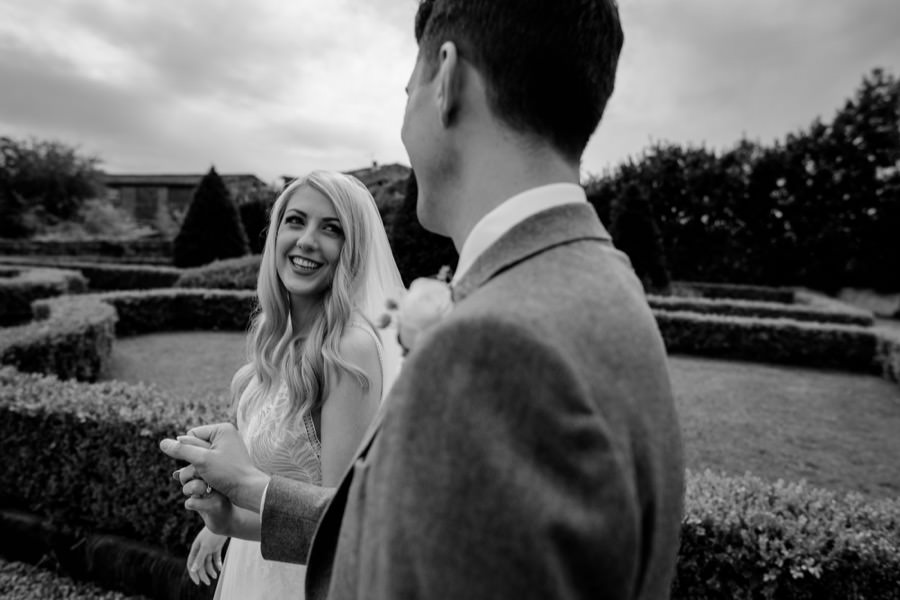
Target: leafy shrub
{"x": 819, "y": 208}
{"x": 255, "y": 219}
{"x": 19, "y": 287}
{"x": 231, "y": 274}
{"x": 105, "y": 276}
{"x": 418, "y": 252}
{"x": 749, "y": 308}
{"x": 71, "y": 336}
{"x": 635, "y": 232}
{"x": 97, "y": 249}
{"x": 48, "y": 174}
{"x": 845, "y": 347}
{"x": 741, "y": 537}
{"x": 745, "y": 538}
{"x": 212, "y": 228}
{"x": 181, "y": 310}
{"x": 28, "y": 582}
{"x": 86, "y": 456}
{"x": 101, "y": 218}
{"x": 734, "y": 291}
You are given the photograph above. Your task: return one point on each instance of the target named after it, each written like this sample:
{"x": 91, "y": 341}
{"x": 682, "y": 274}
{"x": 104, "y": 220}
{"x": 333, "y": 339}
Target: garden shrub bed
{"x": 72, "y": 336}
{"x": 23, "y": 581}
{"x": 110, "y": 561}
{"x": 733, "y": 291}
{"x": 742, "y": 537}
{"x": 181, "y": 310}
{"x": 105, "y": 276}
{"x": 845, "y": 347}
{"x": 834, "y": 313}
{"x": 103, "y": 473}
{"x": 86, "y": 456}
{"x": 20, "y": 286}
{"x": 230, "y": 274}
{"x": 157, "y": 249}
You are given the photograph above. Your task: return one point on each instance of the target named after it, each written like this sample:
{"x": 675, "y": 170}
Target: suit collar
{"x": 544, "y": 230}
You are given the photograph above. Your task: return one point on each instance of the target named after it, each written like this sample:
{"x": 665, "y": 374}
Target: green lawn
{"x": 836, "y": 430}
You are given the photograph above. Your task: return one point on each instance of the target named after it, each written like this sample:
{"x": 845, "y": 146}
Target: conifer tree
{"x": 212, "y": 228}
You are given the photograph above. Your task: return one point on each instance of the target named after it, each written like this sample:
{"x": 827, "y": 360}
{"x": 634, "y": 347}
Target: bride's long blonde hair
{"x": 274, "y": 350}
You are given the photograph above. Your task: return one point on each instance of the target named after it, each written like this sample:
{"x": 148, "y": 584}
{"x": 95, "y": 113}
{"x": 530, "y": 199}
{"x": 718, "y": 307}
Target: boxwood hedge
{"x": 20, "y": 286}
{"x": 86, "y": 456}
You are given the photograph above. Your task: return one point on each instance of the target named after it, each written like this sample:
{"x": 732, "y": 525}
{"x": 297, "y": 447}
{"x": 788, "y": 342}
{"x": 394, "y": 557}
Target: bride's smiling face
{"x": 309, "y": 243}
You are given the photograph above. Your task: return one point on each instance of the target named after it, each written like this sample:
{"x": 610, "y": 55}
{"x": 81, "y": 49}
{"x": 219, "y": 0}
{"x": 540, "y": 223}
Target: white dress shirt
{"x": 509, "y": 214}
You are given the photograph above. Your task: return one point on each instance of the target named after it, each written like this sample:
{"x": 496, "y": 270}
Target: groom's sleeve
{"x": 290, "y": 514}
{"x": 497, "y": 477}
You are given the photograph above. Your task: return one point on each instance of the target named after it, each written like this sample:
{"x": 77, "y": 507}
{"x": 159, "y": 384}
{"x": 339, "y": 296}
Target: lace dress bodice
{"x": 280, "y": 446}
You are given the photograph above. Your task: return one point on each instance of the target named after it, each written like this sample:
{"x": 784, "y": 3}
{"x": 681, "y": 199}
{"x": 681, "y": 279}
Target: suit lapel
{"x": 542, "y": 231}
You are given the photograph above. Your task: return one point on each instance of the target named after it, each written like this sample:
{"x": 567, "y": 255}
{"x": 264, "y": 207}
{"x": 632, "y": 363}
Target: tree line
{"x": 820, "y": 208}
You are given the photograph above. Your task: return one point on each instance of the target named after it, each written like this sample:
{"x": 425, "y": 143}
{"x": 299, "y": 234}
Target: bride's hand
{"x": 205, "y": 559}
{"x": 216, "y": 510}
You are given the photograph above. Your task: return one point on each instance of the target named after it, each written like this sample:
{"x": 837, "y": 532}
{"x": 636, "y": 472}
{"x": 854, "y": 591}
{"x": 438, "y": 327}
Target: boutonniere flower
{"x": 427, "y": 301}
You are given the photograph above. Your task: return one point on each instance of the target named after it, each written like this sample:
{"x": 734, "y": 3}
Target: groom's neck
{"x": 492, "y": 174}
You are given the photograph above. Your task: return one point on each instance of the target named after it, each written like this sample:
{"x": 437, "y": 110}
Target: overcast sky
{"x": 282, "y": 87}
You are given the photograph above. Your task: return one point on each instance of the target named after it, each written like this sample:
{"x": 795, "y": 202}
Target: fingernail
{"x": 175, "y": 474}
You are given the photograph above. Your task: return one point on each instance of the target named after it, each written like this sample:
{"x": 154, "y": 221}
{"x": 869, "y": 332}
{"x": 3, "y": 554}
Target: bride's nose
{"x": 308, "y": 239}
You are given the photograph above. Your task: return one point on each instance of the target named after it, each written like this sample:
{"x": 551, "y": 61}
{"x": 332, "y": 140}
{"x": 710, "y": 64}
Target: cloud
{"x": 276, "y": 86}
{"x": 706, "y": 72}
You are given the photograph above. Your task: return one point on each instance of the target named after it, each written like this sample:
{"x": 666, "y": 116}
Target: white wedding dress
{"x": 276, "y": 448}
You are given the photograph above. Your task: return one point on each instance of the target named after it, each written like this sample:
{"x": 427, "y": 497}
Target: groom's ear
{"x": 449, "y": 87}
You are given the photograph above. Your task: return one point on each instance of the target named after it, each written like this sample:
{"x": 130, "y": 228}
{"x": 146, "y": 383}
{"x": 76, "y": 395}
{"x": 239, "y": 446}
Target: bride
{"x": 317, "y": 369}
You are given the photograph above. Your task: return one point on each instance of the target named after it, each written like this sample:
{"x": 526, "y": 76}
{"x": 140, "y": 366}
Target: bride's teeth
{"x": 304, "y": 264}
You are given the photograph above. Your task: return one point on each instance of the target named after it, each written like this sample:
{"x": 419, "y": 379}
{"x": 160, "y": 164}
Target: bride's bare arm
{"x": 348, "y": 409}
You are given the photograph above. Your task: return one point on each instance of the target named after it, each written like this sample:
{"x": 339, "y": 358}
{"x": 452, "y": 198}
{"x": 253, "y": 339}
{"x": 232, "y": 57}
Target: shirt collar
{"x": 510, "y": 213}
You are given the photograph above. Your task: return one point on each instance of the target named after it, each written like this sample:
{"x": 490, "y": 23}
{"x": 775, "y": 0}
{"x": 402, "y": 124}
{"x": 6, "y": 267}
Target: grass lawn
{"x": 192, "y": 364}
{"x": 836, "y": 430}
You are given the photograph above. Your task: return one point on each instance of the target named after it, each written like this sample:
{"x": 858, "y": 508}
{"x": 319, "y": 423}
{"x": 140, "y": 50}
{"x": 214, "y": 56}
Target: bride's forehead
{"x": 310, "y": 201}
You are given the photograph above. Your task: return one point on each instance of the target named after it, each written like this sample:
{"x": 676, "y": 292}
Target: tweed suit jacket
{"x": 528, "y": 449}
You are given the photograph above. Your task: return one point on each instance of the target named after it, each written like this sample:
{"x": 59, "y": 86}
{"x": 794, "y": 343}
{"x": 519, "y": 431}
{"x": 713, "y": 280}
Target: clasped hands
{"x": 218, "y": 460}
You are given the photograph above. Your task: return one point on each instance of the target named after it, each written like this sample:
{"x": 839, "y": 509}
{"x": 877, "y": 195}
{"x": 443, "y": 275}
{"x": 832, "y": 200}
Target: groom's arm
{"x": 496, "y": 477}
{"x": 290, "y": 514}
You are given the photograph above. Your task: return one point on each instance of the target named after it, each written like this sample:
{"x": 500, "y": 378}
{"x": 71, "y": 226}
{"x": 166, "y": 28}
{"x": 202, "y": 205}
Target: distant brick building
{"x": 163, "y": 200}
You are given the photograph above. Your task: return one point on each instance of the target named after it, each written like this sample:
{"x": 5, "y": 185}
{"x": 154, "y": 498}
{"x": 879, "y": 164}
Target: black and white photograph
{"x": 450, "y": 299}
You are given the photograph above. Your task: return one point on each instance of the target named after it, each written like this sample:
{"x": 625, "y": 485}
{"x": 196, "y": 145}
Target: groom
{"x": 530, "y": 446}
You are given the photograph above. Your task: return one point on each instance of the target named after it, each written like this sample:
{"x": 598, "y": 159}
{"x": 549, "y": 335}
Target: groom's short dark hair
{"x": 550, "y": 65}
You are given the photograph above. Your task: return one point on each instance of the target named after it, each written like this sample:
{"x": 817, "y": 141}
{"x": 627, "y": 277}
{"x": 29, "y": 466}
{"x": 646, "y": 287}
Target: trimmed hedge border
{"x": 158, "y": 251}
{"x": 846, "y": 347}
{"x": 734, "y": 291}
{"x": 28, "y": 582}
{"x": 72, "y": 336}
{"x": 231, "y": 274}
{"x": 86, "y": 456}
{"x": 742, "y": 537}
{"x": 20, "y": 286}
{"x": 769, "y": 310}
{"x": 105, "y": 276}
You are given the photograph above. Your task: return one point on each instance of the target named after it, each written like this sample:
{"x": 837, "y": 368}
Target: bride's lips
{"x": 304, "y": 265}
